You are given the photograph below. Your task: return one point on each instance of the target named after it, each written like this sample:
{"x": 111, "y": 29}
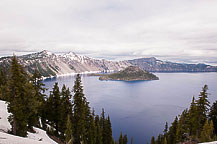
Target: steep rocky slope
{"x": 49, "y": 64}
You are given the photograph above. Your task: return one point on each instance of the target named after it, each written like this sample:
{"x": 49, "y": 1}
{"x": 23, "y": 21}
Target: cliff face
{"x": 49, "y": 64}
{"x": 155, "y": 65}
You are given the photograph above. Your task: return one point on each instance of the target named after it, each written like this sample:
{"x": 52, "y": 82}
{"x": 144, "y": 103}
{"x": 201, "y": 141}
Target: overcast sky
{"x": 179, "y": 30}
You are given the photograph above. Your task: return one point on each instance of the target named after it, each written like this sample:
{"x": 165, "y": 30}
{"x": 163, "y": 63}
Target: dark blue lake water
{"x": 141, "y": 108}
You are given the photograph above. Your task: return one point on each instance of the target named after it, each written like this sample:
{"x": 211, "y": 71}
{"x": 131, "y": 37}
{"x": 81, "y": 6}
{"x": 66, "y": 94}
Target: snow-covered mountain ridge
{"x": 50, "y": 64}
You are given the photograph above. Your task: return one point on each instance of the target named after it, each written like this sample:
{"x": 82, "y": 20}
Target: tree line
{"x": 66, "y": 118}
{"x": 196, "y": 124}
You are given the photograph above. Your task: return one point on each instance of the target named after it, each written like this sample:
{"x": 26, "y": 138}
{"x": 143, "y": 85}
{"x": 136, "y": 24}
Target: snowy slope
{"x": 50, "y": 64}
{"x": 215, "y": 142}
{"x": 11, "y": 139}
{"x": 40, "y": 137}
{"x": 4, "y": 124}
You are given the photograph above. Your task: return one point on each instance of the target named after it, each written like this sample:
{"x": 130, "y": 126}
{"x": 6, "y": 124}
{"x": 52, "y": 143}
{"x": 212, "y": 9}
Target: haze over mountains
{"x": 50, "y": 64}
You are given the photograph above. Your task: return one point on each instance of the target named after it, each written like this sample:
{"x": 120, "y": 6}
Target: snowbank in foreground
{"x": 11, "y": 139}
{"x": 40, "y": 137}
{"x": 214, "y": 142}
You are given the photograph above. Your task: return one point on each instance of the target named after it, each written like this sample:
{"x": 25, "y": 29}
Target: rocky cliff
{"x": 50, "y": 64}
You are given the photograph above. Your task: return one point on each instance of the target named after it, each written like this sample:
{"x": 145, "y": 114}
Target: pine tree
{"x": 165, "y": 131}
{"x": 120, "y": 139}
{"x": 160, "y": 139}
{"x": 165, "y": 140}
{"x": 213, "y": 116}
{"x": 17, "y": 98}
{"x": 202, "y": 108}
{"x": 125, "y": 139}
{"x": 108, "y": 131}
{"x": 207, "y": 132}
{"x": 98, "y": 130}
{"x": 79, "y": 108}
{"x": 172, "y": 132}
{"x": 91, "y": 129}
{"x": 66, "y": 108}
{"x": 166, "y": 128}
{"x": 103, "y": 126}
{"x": 88, "y": 137}
{"x": 40, "y": 97}
{"x": 3, "y": 82}
{"x": 193, "y": 118}
{"x": 68, "y": 131}
{"x": 32, "y": 105}
{"x": 54, "y": 108}
{"x": 152, "y": 140}
{"x": 182, "y": 127}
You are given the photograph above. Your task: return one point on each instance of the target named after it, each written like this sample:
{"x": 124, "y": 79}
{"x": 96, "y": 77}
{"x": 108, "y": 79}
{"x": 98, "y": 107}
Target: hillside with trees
{"x": 196, "y": 124}
{"x": 131, "y": 73}
{"x": 65, "y": 115}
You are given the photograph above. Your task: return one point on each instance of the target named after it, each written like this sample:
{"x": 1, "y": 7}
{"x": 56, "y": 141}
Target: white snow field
{"x": 40, "y": 137}
{"x": 214, "y": 142}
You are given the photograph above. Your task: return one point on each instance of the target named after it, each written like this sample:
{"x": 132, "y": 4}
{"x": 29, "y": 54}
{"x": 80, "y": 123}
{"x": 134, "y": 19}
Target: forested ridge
{"x": 196, "y": 124}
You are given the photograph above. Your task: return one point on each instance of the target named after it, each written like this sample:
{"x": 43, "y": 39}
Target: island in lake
{"x": 131, "y": 73}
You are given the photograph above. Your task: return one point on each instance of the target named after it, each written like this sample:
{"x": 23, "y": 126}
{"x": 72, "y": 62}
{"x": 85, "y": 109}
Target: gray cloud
{"x": 115, "y": 29}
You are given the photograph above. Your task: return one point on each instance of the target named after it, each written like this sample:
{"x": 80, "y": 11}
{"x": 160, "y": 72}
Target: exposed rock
{"x": 49, "y": 64}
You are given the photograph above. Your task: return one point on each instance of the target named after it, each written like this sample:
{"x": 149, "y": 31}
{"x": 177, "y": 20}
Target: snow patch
{"x": 214, "y": 142}
{"x": 40, "y": 137}
{"x": 4, "y": 124}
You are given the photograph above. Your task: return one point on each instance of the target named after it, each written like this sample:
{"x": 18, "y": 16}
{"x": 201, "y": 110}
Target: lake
{"x": 141, "y": 108}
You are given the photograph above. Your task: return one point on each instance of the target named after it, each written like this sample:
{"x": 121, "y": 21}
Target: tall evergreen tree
{"x": 65, "y": 109}
{"x": 17, "y": 98}
{"x": 166, "y": 128}
{"x": 213, "y": 116}
{"x": 120, "y": 139}
{"x": 108, "y": 131}
{"x": 35, "y": 91}
{"x": 125, "y": 139}
{"x": 172, "y": 132}
{"x": 202, "y": 108}
{"x": 79, "y": 108}
{"x": 54, "y": 108}
{"x": 40, "y": 96}
{"x": 32, "y": 105}
{"x": 68, "y": 131}
{"x": 152, "y": 140}
{"x": 182, "y": 127}
{"x": 165, "y": 140}
{"x": 3, "y": 82}
{"x": 103, "y": 126}
{"x": 91, "y": 129}
{"x": 193, "y": 119}
{"x": 98, "y": 130}
{"x": 207, "y": 132}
